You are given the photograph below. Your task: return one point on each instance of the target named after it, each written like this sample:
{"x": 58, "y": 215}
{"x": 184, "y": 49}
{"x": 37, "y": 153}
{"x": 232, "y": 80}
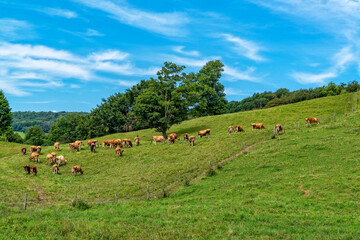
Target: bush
{"x": 210, "y": 172}
{"x": 80, "y": 204}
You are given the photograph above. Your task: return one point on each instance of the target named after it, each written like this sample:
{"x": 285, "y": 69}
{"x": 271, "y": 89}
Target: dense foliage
{"x": 284, "y": 96}
{"x": 35, "y": 136}
{"x": 5, "y": 114}
{"x": 24, "y": 120}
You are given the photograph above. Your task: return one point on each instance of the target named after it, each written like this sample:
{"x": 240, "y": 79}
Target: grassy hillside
{"x": 303, "y": 184}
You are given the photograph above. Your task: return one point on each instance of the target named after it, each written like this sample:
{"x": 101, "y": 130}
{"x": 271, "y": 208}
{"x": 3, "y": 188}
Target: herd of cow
{"x": 118, "y": 143}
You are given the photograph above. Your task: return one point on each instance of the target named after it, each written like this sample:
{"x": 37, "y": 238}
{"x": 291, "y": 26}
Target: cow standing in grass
{"x": 186, "y": 137}
{"x": 33, "y": 170}
{"x": 127, "y": 142}
{"x": 203, "y": 133}
{"x": 27, "y": 168}
{"x": 172, "y": 137}
{"x": 257, "y": 126}
{"x": 57, "y": 146}
{"x": 50, "y": 158}
{"x": 230, "y": 130}
{"x": 23, "y": 150}
{"x": 76, "y": 169}
{"x": 33, "y": 149}
{"x": 118, "y": 151}
{"x": 279, "y": 128}
{"x": 34, "y": 156}
{"x": 74, "y": 146}
{"x": 38, "y": 149}
{"x": 92, "y": 147}
{"x": 90, "y": 142}
{"x": 55, "y": 168}
{"x": 309, "y": 121}
{"x": 191, "y": 140}
{"x": 239, "y": 128}
{"x": 61, "y": 159}
{"x": 137, "y": 141}
{"x": 158, "y": 139}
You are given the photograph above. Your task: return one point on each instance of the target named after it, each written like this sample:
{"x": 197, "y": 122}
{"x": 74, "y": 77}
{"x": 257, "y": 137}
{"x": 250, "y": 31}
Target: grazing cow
{"x": 191, "y": 140}
{"x": 186, "y": 137}
{"x": 27, "y": 168}
{"x": 239, "y": 128}
{"x": 117, "y": 143}
{"x": 23, "y": 150}
{"x": 34, "y": 156}
{"x": 172, "y": 137}
{"x": 57, "y": 146}
{"x": 118, "y": 151}
{"x": 127, "y": 142}
{"x": 106, "y": 143}
{"x": 90, "y": 142}
{"x": 76, "y": 169}
{"x": 311, "y": 120}
{"x": 61, "y": 159}
{"x": 38, "y": 149}
{"x": 257, "y": 126}
{"x": 279, "y": 128}
{"x": 50, "y": 158}
{"x": 55, "y": 168}
{"x": 230, "y": 130}
{"x": 204, "y": 133}
{"x": 137, "y": 141}
{"x": 158, "y": 139}
{"x": 33, "y": 149}
{"x": 78, "y": 142}
{"x": 74, "y": 146}
{"x": 92, "y": 147}
{"x": 54, "y": 154}
{"x": 33, "y": 170}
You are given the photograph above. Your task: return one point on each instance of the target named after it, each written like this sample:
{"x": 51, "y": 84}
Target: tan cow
{"x": 57, "y": 146}
{"x": 158, "y": 139}
{"x": 204, "y": 133}
{"x": 33, "y": 170}
{"x": 191, "y": 140}
{"x": 90, "y": 142}
{"x": 61, "y": 159}
{"x": 117, "y": 143}
{"x": 172, "y": 137}
{"x": 257, "y": 126}
{"x": 137, "y": 141}
{"x": 27, "y": 168}
{"x": 33, "y": 149}
{"x": 38, "y": 149}
{"x": 279, "y": 128}
{"x": 23, "y": 150}
{"x": 55, "y": 168}
{"x": 186, "y": 137}
{"x": 106, "y": 143}
{"x": 118, "y": 151}
{"x": 230, "y": 130}
{"x": 309, "y": 121}
{"x": 50, "y": 158}
{"x": 34, "y": 156}
{"x": 239, "y": 128}
{"x": 74, "y": 146}
{"x": 78, "y": 142}
{"x": 76, "y": 169}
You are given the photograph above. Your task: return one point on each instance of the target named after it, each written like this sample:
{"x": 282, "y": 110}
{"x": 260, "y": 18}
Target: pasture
{"x": 303, "y": 184}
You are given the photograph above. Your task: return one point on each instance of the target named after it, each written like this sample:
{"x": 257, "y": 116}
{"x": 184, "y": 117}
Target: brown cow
{"x": 127, "y": 142}
{"x": 186, "y": 137}
{"x": 27, "y": 168}
{"x": 61, "y": 159}
{"x": 50, "y": 158}
{"x": 34, "y": 156}
{"x": 279, "y": 128}
{"x": 311, "y": 120}
{"x": 191, "y": 140}
{"x": 74, "y": 146}
{"x": 78, "y": 142}
{"x": 118, "y": 151}
{"x": 239, "y": 128}
{"x": 230, "y": 130}
{"x": 204, "y": 133}
{"x": 33, "y": 149}
{"x": 38, "y": 149}
{"x": 257, "y": 126}
{"x": 23, "y": 150}
{"x": 76, "y": 169}
{"x": 33, "y": 170}
{"x": 55, "y": 168}
{"x": 172, "y": 137}
{"x": 137, "y": 141}
{"x": 106, "y": 143}
{"x": 92, "y": 147}
{"x": 57, "y": 146}
{"x": 117, "y": 143}
{"x": 90, "y": 142}
{"x": 158, "y": 139}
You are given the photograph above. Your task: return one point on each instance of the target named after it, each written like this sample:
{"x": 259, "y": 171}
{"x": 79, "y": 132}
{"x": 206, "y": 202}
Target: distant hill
{"x": 24, "y": 120}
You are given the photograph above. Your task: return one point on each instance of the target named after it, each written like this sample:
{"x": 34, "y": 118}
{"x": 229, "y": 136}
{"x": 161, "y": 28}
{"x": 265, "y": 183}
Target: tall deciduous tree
{"x": 5, "y": 113}
{"x": 35, "y": 135}
{"x": 163, "y": 103}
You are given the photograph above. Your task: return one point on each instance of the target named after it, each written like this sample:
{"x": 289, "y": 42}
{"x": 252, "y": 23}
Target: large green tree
{"x": 163, "y": 103}
{"x": 5, "y": 114}
{"x": 35, "y": 136}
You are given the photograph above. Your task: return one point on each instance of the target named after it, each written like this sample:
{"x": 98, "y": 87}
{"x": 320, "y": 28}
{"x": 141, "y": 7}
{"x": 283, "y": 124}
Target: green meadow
{"x": 300, "y": 185}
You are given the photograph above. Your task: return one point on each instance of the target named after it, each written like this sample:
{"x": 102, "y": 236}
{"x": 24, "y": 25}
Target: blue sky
{"x": 67, "y": 55}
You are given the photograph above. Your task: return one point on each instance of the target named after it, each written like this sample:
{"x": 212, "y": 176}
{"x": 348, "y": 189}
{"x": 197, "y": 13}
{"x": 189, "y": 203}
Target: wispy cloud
{"x": 190, "y": 62}
{"x": 244, "y": 47}
{"x": 59, "y": 12}
{"x": 309, "y": 78}
{"x": 92, "y": 33}
{"x": 234, "y": 92}
{"x": 180, "y": 49}
{"x": 109, "y": 55}
{"x": 12, "y": 29}
{"x": 234, "y": 74}
{"x": 168, "y": 24}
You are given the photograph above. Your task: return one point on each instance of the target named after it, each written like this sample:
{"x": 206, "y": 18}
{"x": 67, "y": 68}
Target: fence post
{"x": 75, "y": 199}
{"x": 25, "y": 203}
{"x": 148, "y": 193}
{"x": 115, "y": 197}
{"x": 274, "y": 131}
{"x": 334, "y": 117}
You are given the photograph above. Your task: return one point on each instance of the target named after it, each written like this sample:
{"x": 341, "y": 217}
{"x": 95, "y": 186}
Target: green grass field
{"x": 303, "y": 184}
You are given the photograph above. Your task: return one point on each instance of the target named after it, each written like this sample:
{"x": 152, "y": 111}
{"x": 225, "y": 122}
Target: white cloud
{"x": 12, "y": 29}
{"x": 92, "y": 33}
{"x": 234, "y": 75}
{"x": 179, "y": 49}
{"x": 234, "y": 92}
{"x": 109, "y": 55}
{"x": 59, "y": 12}
{"x": 168, "y": 24}
{"x": 190, "y": 62}
{"x": 244, "y": 47}
{"x": 309, "y": 78}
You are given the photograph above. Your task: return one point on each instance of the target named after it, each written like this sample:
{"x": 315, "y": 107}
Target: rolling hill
{"x": 303, "y": 184}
